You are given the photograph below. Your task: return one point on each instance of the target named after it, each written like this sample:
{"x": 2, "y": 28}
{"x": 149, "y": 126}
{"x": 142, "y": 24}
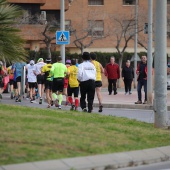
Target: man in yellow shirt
{"x": 48, "y": 81}
{"x": 98, "y": 82}
{"x": 73, "y": 85}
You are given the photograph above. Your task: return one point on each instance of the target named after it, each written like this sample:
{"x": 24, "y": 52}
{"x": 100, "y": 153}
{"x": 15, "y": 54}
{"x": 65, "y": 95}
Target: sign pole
{"x": 62, "y": 28}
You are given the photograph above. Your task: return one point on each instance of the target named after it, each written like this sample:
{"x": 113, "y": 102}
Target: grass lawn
{"x": 30, "y": 134}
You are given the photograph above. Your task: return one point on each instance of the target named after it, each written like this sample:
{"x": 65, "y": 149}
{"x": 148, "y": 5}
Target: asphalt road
{"x": 156, "y": 166}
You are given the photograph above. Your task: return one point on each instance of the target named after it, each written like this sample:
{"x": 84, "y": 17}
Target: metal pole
{"x": 136, "y": 42}
{"x": 149, "y": 60}
{"x": 160, "y": 102}
{"x": 62, "y": 28}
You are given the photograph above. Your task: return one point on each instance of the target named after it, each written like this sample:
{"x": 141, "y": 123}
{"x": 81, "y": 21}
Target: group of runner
{"x": 56, "y": 80}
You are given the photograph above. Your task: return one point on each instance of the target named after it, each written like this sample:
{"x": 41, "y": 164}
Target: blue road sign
{"x": 62, "y": 37}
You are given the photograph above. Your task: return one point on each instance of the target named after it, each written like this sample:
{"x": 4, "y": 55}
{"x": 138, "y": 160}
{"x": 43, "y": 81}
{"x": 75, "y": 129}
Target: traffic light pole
{"x": 149, "y": 60}
{"x": 62, "y": 28}
{"x": 160, "y": 60}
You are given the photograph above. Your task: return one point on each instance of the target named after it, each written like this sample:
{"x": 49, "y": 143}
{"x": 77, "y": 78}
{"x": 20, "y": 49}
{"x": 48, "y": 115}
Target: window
{"x": 96, "y": 28}
{"x": 168, "y": 1}
{"x": 129, "y": 2}
{"x": 95, "y": 2}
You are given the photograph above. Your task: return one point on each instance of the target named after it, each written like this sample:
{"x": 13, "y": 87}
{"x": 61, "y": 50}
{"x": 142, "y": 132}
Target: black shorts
{"x": 73, "y": 90}
{"x": 58, "y": 84}
{"x": 1, "y": 84}
{"x": 40, "y": 79}
{"x": 48, "y": 85}
{"x": 18, "y": 79}
{"x": 31, "y": 85}
{"x": 98, "y": 83}
{"x": 11, "y": 82}
{"x": 15, "y": 85}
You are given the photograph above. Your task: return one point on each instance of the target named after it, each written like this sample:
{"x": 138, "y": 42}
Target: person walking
{"x": 127, "y": 76}
{"x": 142, "y": 79}
{"x": 112, "y": 72}
{"x": 98, "y": 82}
{"x": 59, "y": 71}
{"x": 86, "y": 76}
{"x": 40, "y": 78}
{"x": 73, "y": 85}
{"x": 48, "y": 81}
{"x": 3, "y": 73}
{"x": 32, "y": 79}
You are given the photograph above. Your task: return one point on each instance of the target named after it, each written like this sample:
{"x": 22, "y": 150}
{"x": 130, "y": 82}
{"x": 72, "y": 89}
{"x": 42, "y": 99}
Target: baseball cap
{"x": 48, "y": 59}
{"x": 40, "y": 59}
{"x": 68, "y": 61}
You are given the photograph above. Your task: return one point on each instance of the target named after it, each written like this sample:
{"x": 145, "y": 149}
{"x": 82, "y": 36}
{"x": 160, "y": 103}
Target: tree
{"x": 11, "y": 43}
{"x": 49, "y": 28}
{"x": 84, "y": 38}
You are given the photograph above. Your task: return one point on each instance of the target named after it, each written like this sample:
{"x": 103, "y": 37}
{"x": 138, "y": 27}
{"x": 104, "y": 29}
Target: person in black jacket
{"x": 127, "y": 75}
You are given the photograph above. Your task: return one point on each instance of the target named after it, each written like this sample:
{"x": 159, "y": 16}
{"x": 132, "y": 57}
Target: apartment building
{"x": 35, "y": 17}
{"x": 107, "y": 23}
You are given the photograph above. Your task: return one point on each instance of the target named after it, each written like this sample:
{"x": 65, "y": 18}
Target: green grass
{"x": 30, "y": 134}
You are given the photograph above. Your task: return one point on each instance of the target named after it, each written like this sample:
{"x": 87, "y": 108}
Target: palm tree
{"x": 11, "y": 43}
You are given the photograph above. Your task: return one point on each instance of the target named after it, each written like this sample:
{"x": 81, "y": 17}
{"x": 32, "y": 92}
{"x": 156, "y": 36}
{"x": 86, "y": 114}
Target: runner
{"x": 58, "y": 71}
{"x": 73, "y": 86}
{"x": 3, "y": 73}
{"x": 48, "y": 81}
{"x": 11, "y": 80}
{"x": 98, "y": 82}
{"x": 31, "y": 70}
{"x": 18, "y": 68}
{"x": 68, "y": 63}
{"x": 40, "y": 78}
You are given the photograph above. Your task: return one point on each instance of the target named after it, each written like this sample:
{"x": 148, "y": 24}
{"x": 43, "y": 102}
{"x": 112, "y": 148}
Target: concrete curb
{"x": 98, "y": 162}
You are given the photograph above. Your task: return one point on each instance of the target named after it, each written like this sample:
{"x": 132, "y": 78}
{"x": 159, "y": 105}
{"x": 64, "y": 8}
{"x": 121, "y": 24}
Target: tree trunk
{"x": 82, "y": 50}
{"x": 120, "y": 66}
{"x": 49, "y": 50}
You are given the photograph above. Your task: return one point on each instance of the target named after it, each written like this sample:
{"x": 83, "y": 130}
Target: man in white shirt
{"x": 31, "y": 78}
{"x": 86, "y": 76}
{"x": 40, "y": 78}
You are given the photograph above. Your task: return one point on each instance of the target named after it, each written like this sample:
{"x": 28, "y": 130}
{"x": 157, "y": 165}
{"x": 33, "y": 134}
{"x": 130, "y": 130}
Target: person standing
{"x": 3, "y": 73}
{"x": 86, "y": 76}
{"x": 98, "y": 82}
{"x": 48, "y": 81}
{"x": 59, "y": 71}
{"x": 127, "y": 76}
{"x": 112, "y": 72}
{"x": 31, "y": 75}
{"x": 73, "y": 85}
{"x": 142, "y": 79}
{"x": 40, "y": 78}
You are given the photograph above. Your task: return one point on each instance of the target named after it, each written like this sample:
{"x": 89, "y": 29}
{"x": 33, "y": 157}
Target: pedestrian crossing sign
{"x": 62, "y": 37}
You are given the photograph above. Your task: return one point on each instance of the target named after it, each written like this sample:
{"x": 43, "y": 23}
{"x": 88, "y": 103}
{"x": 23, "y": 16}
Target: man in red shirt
{"x": 112, "y": 72}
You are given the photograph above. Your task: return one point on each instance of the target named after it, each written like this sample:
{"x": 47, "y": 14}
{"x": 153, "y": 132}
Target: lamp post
{"x": 149, "y": 60}
{"x": 62, "y": 28}
{"x": 136, "y": 43}
{"x": 160, "y": 60}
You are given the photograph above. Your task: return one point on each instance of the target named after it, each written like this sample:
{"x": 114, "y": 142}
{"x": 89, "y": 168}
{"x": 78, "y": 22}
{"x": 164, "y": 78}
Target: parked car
{"x": 6, "y": 84}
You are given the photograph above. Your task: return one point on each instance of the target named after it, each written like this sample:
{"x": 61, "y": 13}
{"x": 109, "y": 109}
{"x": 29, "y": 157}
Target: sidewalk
{"x": 98, "y": 162}
{"x": 125, "y": 101}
